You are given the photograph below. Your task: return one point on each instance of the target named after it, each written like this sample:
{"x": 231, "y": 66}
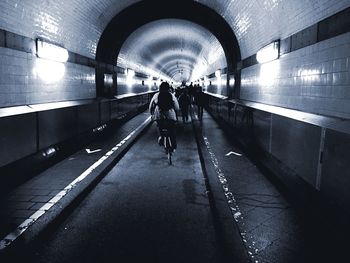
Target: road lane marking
{"x": 93, "y": 151}
{"x": 230, "y": 153}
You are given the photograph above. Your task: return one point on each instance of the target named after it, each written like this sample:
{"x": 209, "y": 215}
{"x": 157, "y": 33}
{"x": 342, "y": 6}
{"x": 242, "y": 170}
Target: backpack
{"x": 165, "y": 101}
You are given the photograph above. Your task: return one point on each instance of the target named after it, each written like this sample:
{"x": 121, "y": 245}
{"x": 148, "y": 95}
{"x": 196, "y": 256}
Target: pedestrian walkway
{"x": 21, "y": 208}
{"x": 271, "y": 228}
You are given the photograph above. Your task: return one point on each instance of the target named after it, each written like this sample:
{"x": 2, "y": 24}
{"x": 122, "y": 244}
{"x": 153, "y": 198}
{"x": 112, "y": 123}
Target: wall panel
{"x": 88, "y": 117}
{"x": 297, "y": 145}
{"x": 105, "y": 111}
{"x": 17, "y": 137}
{"x": 262, "y": 130}
{"x": 56, "y": 126}
{"x": 335, "y": 182}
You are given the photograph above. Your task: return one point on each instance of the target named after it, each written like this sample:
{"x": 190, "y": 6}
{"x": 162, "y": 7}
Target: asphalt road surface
{"x": 143, "y": 211}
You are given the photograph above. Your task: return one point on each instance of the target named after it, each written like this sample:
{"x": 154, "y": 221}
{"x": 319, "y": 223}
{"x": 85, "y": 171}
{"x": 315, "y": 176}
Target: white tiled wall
{"x": 20, "y": 85}
{"x": 77, "y": 25}
{"x": 313, "y": 79}
{"x": 258, "y": 22}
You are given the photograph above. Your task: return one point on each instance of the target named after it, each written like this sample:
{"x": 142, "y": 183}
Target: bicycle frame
{"x": 168, "y": 146}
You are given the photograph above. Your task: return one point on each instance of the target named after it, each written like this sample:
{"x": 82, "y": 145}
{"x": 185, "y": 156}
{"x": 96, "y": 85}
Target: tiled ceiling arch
{"x": 78, "y": 24}
{"x": 174, "y": 47}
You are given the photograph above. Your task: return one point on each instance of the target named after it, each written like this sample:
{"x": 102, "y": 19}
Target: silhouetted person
{"x": 184, "y": 102}
{"x": 191, "y": 92}
{"x": 199, "y": 100}
{"x": 178, "y": 91}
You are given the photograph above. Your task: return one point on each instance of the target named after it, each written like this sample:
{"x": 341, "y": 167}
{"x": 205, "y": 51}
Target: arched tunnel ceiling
{"x": 174, "y": 47}
{"x": 78, "y": 24}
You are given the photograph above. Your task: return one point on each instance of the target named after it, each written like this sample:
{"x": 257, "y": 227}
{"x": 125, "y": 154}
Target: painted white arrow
{"x": 238, "y": 154}
{"x": 94, "y": 151}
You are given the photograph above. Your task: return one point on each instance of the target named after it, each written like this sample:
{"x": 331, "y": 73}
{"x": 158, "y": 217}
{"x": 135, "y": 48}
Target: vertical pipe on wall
{"x": 270, "y": 139}
{"x": 99, "y": 113}
{"x": 115, "y": 83}
{"x": 37, "y": 130}
{"x": 320, "y": 160}
{"x": 237, "y": 85}
{"x": 228, "y": 87}
{"x": 99, "y": 81}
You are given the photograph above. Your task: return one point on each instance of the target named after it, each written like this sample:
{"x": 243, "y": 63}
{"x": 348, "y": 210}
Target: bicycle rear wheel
{"x": 168, "y": 149}
{"x": 169, "y": 158}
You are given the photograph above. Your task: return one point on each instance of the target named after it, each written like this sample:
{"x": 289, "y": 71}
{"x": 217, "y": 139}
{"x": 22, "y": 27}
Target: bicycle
{"x": 166, "y": 141}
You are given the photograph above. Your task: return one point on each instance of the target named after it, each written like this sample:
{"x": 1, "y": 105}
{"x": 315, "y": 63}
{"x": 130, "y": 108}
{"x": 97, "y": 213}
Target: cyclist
{"x": 163, "y": 107}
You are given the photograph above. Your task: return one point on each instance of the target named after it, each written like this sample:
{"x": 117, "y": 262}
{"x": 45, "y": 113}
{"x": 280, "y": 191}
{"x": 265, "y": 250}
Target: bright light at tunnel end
{"x": 268, "y": 53}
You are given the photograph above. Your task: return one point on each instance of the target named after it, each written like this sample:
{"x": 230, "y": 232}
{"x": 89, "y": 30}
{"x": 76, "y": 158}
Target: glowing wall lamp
{"x": 206, "y": 81}
{"x": 130, "y": 73}
{"x": 130, "y": 77}
{"x": 52, "y": 52}
{"x": 108, "y": 79}
{"x": 269, "y": 52}
{"x": 218, "y": 73}
{"x": 149, "y": 82}
{"x": 231, "y": 81}
{"x": 49, "y": 71}
{"x": 218, "y": 77}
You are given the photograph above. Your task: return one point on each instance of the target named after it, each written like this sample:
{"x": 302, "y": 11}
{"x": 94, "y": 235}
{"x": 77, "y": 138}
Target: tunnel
{"x": 253, "y": 168}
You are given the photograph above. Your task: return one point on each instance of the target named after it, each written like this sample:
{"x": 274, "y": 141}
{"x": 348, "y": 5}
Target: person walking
{"x": 199, "y": 99}
{"x": 184, "y": 102}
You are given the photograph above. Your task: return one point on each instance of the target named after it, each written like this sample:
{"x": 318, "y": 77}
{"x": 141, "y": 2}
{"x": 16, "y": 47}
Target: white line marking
{"x": 94, "y": 151}
{"x": 235, "y": 210}
{"x": 228, "y": 154}
{"x": 28, "y": 222}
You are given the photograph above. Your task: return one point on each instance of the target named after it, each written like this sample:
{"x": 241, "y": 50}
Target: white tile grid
{"x": 144, "y": 40}
{"x": 256, "y": 25}
{"x": 78, "y": 24}
{"x": 314, "y": 79}
{"x": 214, "y": 47}
{"x": 18, "y": 84}
{"x": 75, "y": 24}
